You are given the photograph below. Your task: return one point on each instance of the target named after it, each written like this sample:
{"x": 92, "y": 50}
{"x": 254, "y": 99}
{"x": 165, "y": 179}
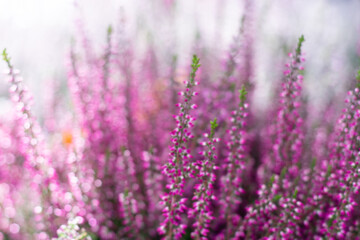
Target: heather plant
{"x": 137, "y": 161}
{"x": 178, "y": 168}
{"x": 36, "y": 162}
{"x": 204, "y": 190}
{"x": 235, "y": 164}
{"x": 71, "y": 231}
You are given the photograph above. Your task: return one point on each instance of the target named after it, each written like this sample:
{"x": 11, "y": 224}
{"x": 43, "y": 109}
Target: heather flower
{"x": 154, "y": 189}
{"x": 204, "y": 189}
{"x": 235, "y": 164}
{"x": 346, "y": 156}
{"x": 288, "y": 143}
{"x": 44, "y": 179}
{"x": 178, "y": 167}
{"x": 106, "y": 152}
{"x": 262, "y": 219}
{"x": 72, "y": 231}
{"x": 129, "y": 212}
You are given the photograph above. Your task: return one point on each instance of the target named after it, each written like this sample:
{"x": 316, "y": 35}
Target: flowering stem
{"x": 177, "y": 169}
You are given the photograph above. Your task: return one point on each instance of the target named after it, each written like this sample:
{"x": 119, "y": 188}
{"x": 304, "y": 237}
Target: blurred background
{"x": 38, "y": 35}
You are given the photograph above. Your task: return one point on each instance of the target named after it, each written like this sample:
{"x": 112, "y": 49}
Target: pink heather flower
{"x": 110, "y": 148}
{"x": 178, "y": 167}
{"x": 204, "y": 189}
{"x": 235, "y": 164}
{"x": 346, "y": 158}
{"x": 44, "y": 177}
{"x": 288, "y": 144}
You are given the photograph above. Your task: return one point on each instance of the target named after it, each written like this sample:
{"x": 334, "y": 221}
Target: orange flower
{"x": 67, "y": 138}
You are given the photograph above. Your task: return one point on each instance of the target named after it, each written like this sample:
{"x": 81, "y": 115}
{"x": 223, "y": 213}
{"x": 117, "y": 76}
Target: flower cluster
{"x": 36, "y": 160}
{"x": 346, "y": 156}
{"x": 204, "y": 189}
{"x": 287, "y": 148}
{"x": 71, "y": 231}
{"x": 235, "y": 164}
{"x": 108, "y": 157}
{"x": 178, "y": 168}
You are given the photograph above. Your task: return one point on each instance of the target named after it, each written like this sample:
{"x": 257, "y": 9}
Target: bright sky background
{"x": 37, "y": 34}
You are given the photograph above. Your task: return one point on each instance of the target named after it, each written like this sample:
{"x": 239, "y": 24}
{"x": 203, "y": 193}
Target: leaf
{"x": 213, "y": 125}
{"x": 109, "y": 30}
{"x": 243, "y": 94}
{"x": 295, "y": 193}
{"x": 301, "y": 40}
{"x": 313, "y": 163}
{"x": 283, "y": 172}
{"x": 271, "y": 181}
{"x": 276, "y": 198}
